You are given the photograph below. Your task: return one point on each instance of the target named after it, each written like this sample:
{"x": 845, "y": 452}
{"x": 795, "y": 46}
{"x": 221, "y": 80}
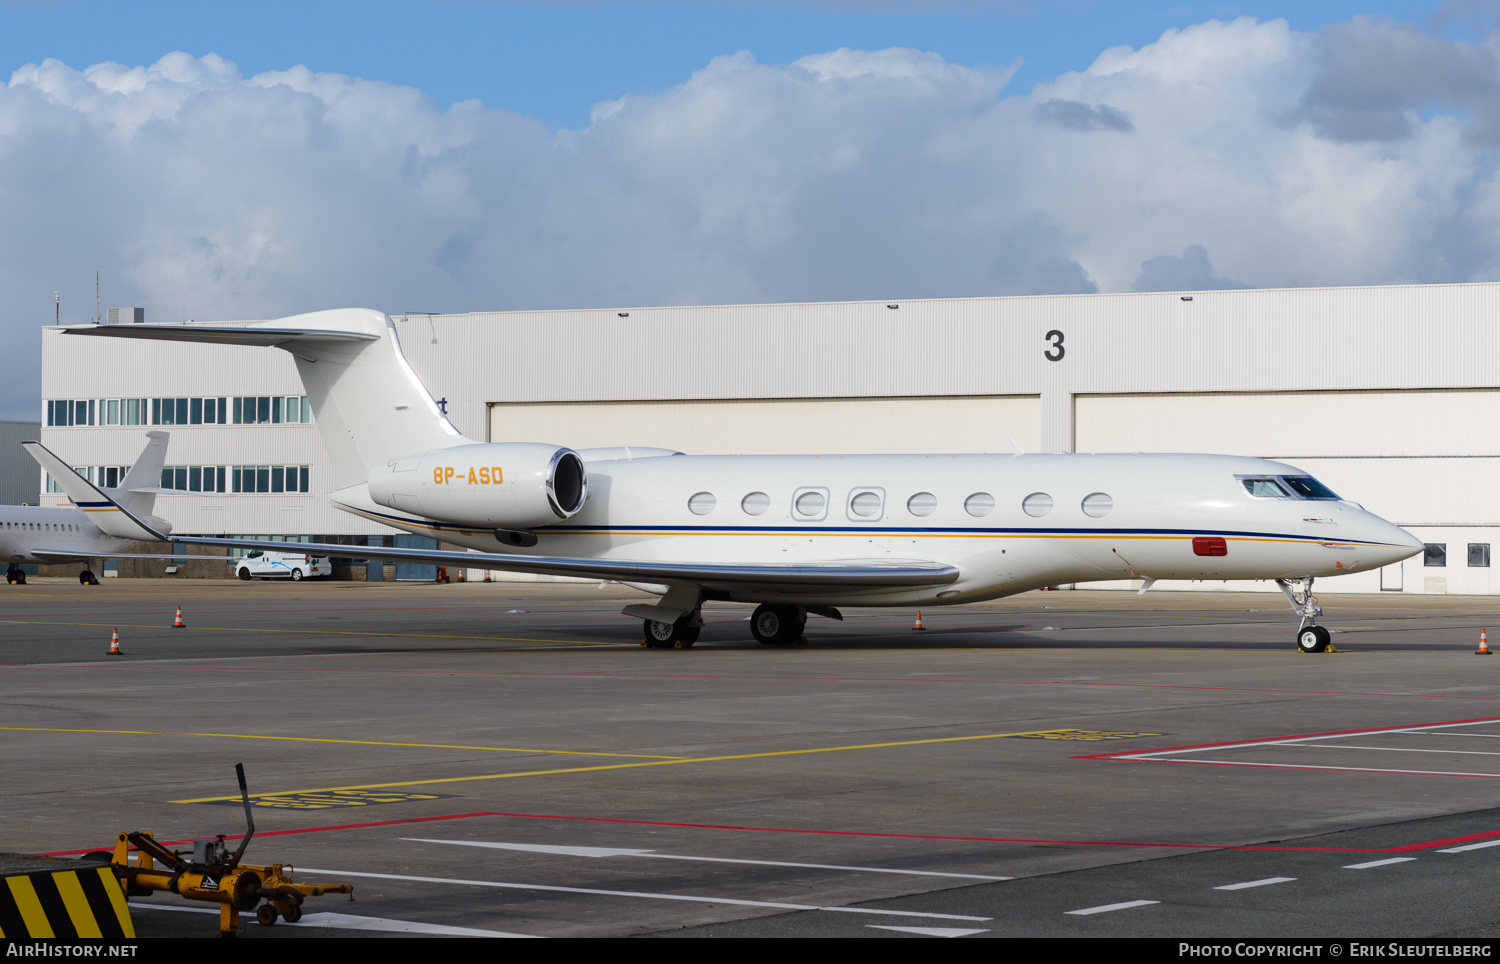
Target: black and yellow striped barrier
{"x": 64, "y": 899}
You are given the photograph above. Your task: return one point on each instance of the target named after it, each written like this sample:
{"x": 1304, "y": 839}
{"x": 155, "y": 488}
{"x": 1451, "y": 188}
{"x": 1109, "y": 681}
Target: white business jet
{"x": 95, "y": 527}
{"x": 793, "y": 534}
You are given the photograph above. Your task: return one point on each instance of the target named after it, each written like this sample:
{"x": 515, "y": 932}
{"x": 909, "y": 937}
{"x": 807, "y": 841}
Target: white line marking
{"x": 636, "y": 893}
{"x": 1482, "y": 736}
{"x": 1256, "y": 883}
{"x": 1396, "y": 749}
{"x": 1158, "y": 754}
{"x": 1366, "y": 769}
{"x": 623, "y": 852}
{"x": 1106, "y": 908}
{"x": 352, "y": 922}
{"x": 931, "y": 931}
{"x": 541, "y": 848}
{"x": 1473, "y": 846}
{"x": 1378, "y": 863}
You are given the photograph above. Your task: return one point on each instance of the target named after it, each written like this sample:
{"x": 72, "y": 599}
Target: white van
{"x": 270, "y": 565}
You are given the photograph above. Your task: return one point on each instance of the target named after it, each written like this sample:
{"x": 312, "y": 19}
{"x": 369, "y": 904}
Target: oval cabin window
{"x": 1037, "y": 504}
{"x": 810, "y": 503}
{"x": 1097, "y": 505}
{"x": 922, "y": 504}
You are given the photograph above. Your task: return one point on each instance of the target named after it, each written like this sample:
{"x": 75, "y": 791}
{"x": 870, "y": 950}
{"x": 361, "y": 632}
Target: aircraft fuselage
{"x": 1008, "y": 523}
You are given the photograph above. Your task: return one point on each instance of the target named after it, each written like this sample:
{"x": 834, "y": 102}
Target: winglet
{"x": 109, "y": 515}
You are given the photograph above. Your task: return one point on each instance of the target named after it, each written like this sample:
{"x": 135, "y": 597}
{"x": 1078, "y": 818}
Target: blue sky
{"x": 246, "y": 161}
{"x": 554, "y": 61}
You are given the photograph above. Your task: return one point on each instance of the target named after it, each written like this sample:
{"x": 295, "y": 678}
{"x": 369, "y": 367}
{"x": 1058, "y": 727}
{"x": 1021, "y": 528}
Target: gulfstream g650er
{"x": 793, "y": 534}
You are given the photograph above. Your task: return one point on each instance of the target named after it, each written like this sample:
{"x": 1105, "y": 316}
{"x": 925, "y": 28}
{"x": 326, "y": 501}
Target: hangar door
{"x": 1414, "y": 457}
{"x": 850, "y": 426}
{"x": 1292, "y": 424}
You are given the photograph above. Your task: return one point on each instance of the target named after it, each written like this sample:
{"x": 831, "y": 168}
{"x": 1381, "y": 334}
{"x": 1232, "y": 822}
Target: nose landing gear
{"x": 1311, "y": 638}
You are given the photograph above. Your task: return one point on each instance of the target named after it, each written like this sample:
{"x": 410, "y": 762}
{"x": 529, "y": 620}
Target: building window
{"x": 1479, "y": 555}
{"x": 1435, "y": 555}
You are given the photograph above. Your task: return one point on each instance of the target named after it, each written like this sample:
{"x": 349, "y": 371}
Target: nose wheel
{"x": 1311, "y": 638}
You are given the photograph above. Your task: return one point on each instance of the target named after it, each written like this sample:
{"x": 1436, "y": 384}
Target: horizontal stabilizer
{"x": 735, "y": 578}
{"x": 252, "y": 337}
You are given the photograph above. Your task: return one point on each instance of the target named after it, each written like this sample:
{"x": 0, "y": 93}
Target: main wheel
{"x": 245, "y": 574}
{"x": 659, "y": 634}
{"x": 87, "y": 578}
{"x": 665, "y": 635}
{"x": 296, "y": 575}
{"x": 1312, "y": 639}
{"x": 777, "y": 625}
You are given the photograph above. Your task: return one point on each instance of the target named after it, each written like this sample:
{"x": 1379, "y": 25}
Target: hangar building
{"x": 1386, "y": 394}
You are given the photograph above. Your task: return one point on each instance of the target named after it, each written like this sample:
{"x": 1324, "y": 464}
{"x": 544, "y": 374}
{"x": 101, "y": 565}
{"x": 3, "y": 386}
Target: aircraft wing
{"x": 857, "y": 574}
{"x": 70, "y": 555}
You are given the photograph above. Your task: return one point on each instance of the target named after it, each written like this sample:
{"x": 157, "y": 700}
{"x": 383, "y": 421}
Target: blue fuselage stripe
{"x": 883, "y": 531}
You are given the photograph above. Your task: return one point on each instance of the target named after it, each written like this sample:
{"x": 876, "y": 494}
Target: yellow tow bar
{"x": 215, "y": 874}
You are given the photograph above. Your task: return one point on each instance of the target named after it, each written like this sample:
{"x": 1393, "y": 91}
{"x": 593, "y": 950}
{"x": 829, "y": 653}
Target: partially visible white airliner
{"x": 98, "y": 524}
{"x": 794, "y": 534}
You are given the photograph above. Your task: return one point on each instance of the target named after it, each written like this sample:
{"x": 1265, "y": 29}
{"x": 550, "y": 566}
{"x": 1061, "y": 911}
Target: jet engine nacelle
{"x": 507, "y": 485}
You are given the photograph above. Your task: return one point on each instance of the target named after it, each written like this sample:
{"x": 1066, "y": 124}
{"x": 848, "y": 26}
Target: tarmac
{"x": 506, "y": 760}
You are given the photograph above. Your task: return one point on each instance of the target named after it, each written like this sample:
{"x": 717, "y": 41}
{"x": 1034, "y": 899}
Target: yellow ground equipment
{"x": 215, "y": 874}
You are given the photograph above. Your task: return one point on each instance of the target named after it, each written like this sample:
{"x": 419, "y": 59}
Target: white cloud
{"x": 1224, "y": 153}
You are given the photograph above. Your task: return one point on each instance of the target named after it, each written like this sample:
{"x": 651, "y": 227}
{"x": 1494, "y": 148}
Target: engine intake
{"x": 492, "y": 485}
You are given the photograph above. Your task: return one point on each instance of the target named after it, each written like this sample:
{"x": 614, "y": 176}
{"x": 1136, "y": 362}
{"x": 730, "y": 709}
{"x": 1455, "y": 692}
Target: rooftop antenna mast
{"x": 96, "y": 297}
{"x": 57, "y": 307}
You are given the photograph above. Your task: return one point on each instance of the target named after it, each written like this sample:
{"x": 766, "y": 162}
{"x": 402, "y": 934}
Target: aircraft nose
{"x": 1391, "y": 542}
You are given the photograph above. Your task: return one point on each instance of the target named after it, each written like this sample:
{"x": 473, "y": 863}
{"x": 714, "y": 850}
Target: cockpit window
{"x": 1265, "y": 489}
{"x": 1309, "y": 487}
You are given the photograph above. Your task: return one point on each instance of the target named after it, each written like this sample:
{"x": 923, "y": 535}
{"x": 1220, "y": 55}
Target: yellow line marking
{"x": 628, "y": 766}
{"x": 71, "y": 892}
{"x": 314, "y": 739}
{"x": 30, "y": 907}
{"x": 319, "y": 632}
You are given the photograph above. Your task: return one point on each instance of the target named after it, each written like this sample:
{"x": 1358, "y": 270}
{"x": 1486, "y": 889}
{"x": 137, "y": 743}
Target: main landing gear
{"x": 1311, "y": 638}
{"x": 15, "y": 575}
{"x": 674, "y": 635}
{"x": 87, "y": 578}
{"x": 778, "y": 625}
{"x": 771, "y": 626}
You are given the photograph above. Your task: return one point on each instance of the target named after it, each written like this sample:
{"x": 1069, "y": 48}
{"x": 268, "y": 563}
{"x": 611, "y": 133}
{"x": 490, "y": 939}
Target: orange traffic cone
{"x": 114, "y": 644}
{"x": 919, "y": 621}
{"x": 1484, "y": 645}
{"x": 178, "y": 623}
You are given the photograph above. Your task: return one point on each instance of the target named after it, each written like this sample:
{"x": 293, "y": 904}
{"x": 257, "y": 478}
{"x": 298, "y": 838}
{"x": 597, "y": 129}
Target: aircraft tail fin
{"x": 369, "y": 404}
{"x": 111, "y": 511}
{"x": 137, "y": 491}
